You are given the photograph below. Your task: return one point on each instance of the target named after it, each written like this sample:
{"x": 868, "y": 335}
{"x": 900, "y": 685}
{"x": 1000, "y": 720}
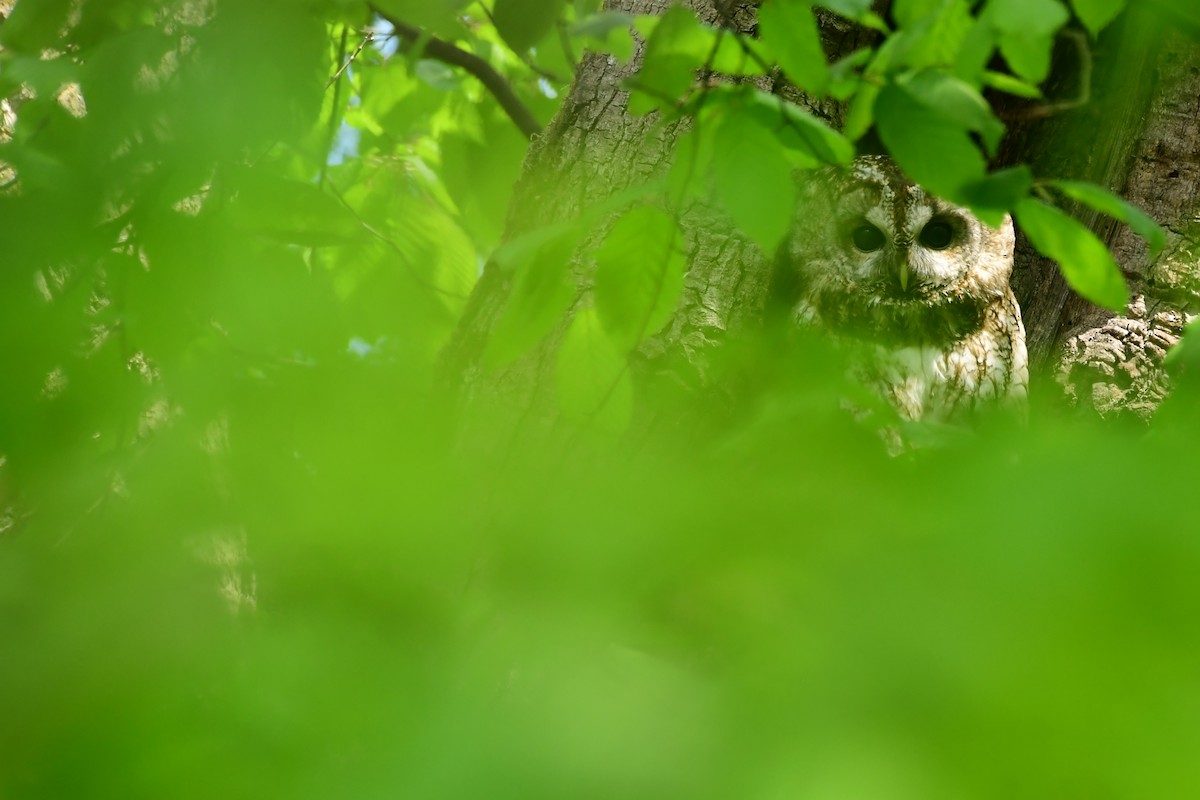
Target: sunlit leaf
{"x": 45, "y": 76}
{"x": 1027, "y": 18}
{"x": 1002, "y": 82}
{"x": 957, "y": 102}
{"x": 934, "y": 36}
{"x": 639, "y": 275}
{"x": 32, "y": 27}
{"x": 542, "y": 291}
{"x": 735, "y": 54}
{"x": 437, "y": 74}
{"x": 675, "y": 48}
{"x": 788, "y": 28}
{"x": 523, "y": 22}
{"x": 753, "y": 180}
{"x": 1085, "y": 262}
{"x": 291, "y": 211}
{"x": 998, "y": 192}
{"x": 689, "y": 175}
{"x": 592, "y": 376}
{"x": 599, "y": 25}
{"x": 978, "y": 46}
{"x": 797, "y": 129}
{"x": 842, "y": 73}
{"x": 861, "y": 115}
{"x": 936, "y": 154}
{"x": 847, "y": 8}
{"x": 1028, "y": 55}
{"x": 479, "y": 172}
{"x": 608, "y": 31}
{"x": 438, "y": 16}
{"x": 1096, "y": 14}
{"x": 1026, "y": 31}
{"x": 909, "y": 12}
{"x": 1118, "y": 208}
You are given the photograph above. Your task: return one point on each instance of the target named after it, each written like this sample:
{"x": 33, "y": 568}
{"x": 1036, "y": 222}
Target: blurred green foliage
{"x": 244, "y": 552}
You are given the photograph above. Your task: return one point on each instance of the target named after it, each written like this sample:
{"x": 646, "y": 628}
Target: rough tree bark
{"x": 1136, "y": 130}
{"x": 1138, "y": 133}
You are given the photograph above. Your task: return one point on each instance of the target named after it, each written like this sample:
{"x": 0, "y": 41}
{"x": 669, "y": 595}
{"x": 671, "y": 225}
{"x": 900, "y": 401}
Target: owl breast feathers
{"x": 920, "y": 282}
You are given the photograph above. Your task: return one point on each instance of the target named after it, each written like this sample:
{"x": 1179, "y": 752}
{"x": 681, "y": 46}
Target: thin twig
{"x": 370, "y": 37}
{"x": 432, "y": 47}
{"x": 334, "y": 118}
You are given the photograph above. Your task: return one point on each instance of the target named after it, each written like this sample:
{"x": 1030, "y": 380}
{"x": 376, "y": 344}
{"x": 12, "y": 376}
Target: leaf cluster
{"x": 245, "y": 552}
{"x": 920, "y": 88}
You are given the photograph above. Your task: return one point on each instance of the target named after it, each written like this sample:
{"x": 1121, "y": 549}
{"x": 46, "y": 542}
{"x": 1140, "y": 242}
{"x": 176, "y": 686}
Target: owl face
{"x": 877, "y": 253}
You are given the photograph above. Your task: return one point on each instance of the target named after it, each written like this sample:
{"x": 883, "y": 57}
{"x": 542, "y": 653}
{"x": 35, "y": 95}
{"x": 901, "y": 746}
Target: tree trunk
{"x": 1136, "y": 134}
{"x": 1128, "y": 121}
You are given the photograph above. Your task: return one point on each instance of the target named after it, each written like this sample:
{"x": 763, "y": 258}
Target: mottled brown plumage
{"x": 921, "y": 282}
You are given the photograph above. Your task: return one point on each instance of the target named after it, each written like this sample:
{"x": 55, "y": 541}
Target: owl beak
{"x": 903, "y": 276}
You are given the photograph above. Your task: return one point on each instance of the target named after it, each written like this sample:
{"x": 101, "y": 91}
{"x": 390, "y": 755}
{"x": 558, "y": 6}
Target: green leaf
{"x": 592, "y": 376}
{"x": 523, "y": 22}
{"x": 1096, "y": 14}
{"x": 639, "y": 275}
{"x": 851, "y": 9}
{"x": 843, "y": 78}
{"x": 1083, "y": 259}
{"x": 1185, "y": 354}
{"x": 935, "y": 153}
{"x": 861, "y": 115}
{"x": 955, "y": 101}
{"x": 991, "y": 197}
{"x": 975, "y": 53}
{"x": 1026, "y": 29}
{"x": 753, "y": 180}
{"x": 1026, "y": 18}
{"x": 479, "y": 172}
{"x": 857, "y": 10}
{"x": 33, "y": 26}
{"x": 607, "y": 31}
{"x": 1003, "y": 82}
{"x": 688, "y": 176}
{"x": 675, "y": 48}
{"x": 796, "y": 129}
{"x": 437, "y": 16}
{"x": 910, "y": 12}
{"x": 1118, "y": 208}
{"x": 290, "y": 211}
{"x": 46, "y": 76}
{"x": 600, "y": 25}
{"x": 789, "y": 29}
{"x": 542, "y": 292}
{"x": 730, "y": 53}
{"x": 934, "y": 35}
{"x": 1029, "y": 56}
{"x": 436, "y": 74}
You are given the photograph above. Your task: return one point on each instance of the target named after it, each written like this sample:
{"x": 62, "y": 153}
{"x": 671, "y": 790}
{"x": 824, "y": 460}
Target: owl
{"x": 918, "y": 283}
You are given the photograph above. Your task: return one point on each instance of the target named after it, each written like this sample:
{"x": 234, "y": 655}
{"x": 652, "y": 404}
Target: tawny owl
{"x": 921, "y": 283}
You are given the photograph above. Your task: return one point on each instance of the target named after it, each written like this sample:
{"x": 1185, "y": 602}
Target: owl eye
{"x": 937, "y": 235}
{"x": 867, "y": 238}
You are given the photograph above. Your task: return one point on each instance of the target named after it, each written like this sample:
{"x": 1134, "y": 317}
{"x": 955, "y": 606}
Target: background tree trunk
{"x": 1138, "y": 133}
{"x": 1122, "y": 113}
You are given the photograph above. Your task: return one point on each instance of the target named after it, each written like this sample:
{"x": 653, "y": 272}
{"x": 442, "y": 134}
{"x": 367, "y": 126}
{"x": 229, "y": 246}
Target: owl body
{"x": 918, "y": 283}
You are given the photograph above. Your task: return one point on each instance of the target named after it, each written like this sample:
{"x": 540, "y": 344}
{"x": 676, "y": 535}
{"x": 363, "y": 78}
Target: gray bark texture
{"x": 1123, "y": 113}
{"x": 1137, "y": 132}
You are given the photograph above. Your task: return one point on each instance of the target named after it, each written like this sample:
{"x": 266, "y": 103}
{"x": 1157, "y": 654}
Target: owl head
{"x": 874, "y": 253}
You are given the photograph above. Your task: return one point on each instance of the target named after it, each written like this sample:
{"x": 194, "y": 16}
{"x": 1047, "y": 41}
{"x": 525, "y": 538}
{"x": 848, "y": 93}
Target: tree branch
{"x": 447, "y": 53}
